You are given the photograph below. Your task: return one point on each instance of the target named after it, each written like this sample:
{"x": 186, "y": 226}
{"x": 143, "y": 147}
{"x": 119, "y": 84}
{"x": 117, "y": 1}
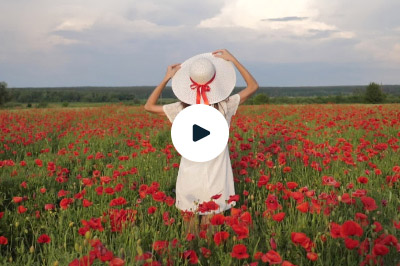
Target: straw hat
{"x": 204, "y": 78}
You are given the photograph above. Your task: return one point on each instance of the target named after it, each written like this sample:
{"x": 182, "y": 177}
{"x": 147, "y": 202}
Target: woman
{"x": 208, "y": 79}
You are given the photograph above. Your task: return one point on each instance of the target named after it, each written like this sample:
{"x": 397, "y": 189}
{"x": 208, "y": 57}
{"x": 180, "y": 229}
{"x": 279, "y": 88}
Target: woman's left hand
{"x": 171, "y": 70}
{"x": 224, "y": 54}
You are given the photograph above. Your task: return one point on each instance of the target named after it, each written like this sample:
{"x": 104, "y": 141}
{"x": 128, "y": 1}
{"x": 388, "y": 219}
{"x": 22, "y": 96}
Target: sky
{"x": 53, "y": 43}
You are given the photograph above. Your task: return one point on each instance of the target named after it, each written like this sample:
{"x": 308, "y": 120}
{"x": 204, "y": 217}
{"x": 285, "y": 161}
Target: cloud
{"x": 281, "y": 18}
{"x": 285, "y": 19}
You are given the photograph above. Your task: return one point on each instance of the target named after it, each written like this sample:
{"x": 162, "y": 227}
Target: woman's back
{"x": 199, "y": 181}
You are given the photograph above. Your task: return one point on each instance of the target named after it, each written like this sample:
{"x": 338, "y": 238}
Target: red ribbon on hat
{"x": 201, "y": 90}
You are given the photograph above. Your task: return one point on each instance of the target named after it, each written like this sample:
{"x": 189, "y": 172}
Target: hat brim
{"x": 221, "y": 87}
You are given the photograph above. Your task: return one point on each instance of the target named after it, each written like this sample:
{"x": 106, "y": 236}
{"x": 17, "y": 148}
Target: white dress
{"x": 199, "y": 181}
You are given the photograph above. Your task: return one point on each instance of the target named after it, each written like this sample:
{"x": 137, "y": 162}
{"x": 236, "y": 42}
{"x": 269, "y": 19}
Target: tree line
{"x": 373, "y": 93}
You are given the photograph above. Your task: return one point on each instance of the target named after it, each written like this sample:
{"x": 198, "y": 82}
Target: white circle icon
{"x": 200, "y": 133}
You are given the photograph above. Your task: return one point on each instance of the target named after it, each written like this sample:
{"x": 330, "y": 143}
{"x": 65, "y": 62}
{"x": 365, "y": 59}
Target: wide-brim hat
{"x": 210, "y": 82}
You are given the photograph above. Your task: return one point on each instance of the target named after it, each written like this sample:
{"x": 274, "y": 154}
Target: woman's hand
{"x": 171, "y": 70}
{"x": 151, "y": 104}
{"x": 224, "y": 54}
{"x": 252, "y": 84}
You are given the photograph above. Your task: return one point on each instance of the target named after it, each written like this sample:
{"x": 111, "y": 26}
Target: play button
{"x": 199, "y": 133}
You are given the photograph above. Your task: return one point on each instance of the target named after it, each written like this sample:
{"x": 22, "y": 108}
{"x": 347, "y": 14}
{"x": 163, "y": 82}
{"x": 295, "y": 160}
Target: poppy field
{"x": 314, "y": 184}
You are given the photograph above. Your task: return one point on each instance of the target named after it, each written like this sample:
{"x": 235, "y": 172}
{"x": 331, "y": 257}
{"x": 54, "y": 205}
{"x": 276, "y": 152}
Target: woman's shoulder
{"x": 235, "y": 98}
{"x": 233, "y": 101}
{"x": 172, "y": 109}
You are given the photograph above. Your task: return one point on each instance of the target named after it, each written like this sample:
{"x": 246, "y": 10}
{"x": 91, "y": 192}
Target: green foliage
{"x": 4, "y": 94}
{"x": 42, "y": 105}
{"x": 65, "y": 104}
{"x": 374, "y": 93}
{"x": 29, "y": 105}
{"x": 261, "y": 98}
{"x": 138, "y": 94}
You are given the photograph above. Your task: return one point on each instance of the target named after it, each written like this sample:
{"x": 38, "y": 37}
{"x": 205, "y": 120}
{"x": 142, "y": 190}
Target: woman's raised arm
{"x": 252, "y": 84}
{"x": 151, "y": 104}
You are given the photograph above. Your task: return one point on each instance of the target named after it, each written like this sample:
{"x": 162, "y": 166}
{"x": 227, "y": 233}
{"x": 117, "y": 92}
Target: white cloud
{"x": 282, "y": 17}
{"x": 75, "y": 24}
{"x": 386, "y": 52}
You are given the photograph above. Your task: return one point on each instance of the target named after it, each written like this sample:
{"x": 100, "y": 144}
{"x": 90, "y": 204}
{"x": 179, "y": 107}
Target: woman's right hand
{"x": 171, "y": 70}
{"x": 224, "y": 54}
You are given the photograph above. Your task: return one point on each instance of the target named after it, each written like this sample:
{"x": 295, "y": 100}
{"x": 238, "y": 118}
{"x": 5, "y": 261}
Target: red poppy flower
{"x": 362, "y": 180}
{"x": 217, "y": 219}
{"x": 380, "y": 250}
{"x": 298, "y": 238}
{"x": 396, "y": 224}
{"x": 303, "y": 207}
{"x": 151, "y": 210}
{"x": 351, "y": 243}
{"x": 3, "y": 240}
{"x": 220, "y": 236}
{"x": 38, "y": 162}
{"x": 118, "y": 201}
{"x": 279, "y": 216}
{"x": 159, "y": 196}
{"x": 64, "y": 203}
{"x": 350, "y": 228}
{"x": 17, "y": 199}
{"x": 291, "y": 185}
{"x": 272, "y": 243}
{"x": 117, "y": 262}
{"x": 191, "y": 256}
{"x": 206, "y": 252}
{"x": 347, "y": 199}
{"x": 203, "y": 234}
{"x": 109, "y": 191}
{"x": 62, "y": 193}
{"x": 239, "y": 251}
{"x": 190, "y": 237}
{"x": 160, "y": 245}
{"x": 272, "y": 257}
{"x": 233, "y": 198}
{"x": 22, "y": 209}
{"x": 49, "y": 207}
{"x": 272, "y": 202}
{"x": 245, "y": 218}
{"x": 44, "y": 239}
{"x": 241, "y": 231}
{"x": 216, "y": 196}
{"x": 312, "y": 256}
{"x": 87, "y": 203}
{"x": 369, "y": 203}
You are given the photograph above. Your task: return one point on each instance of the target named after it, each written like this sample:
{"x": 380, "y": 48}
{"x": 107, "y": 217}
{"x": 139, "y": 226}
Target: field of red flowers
{"x": 315, "y": 185}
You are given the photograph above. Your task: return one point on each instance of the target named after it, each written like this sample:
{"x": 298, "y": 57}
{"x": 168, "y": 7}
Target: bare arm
{"x": 151, "y": 104}
{"x": 252, "y": 84}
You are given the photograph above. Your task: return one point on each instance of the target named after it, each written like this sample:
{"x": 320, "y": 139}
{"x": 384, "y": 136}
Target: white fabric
{"x": 198, "y": 182}
{"x": 220, "y": 88}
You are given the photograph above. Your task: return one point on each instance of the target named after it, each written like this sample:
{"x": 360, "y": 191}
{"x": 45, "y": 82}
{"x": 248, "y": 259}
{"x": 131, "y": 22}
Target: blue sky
{"x": 127, "y": 43}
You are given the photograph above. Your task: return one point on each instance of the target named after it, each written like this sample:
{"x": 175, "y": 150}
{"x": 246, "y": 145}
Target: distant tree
{"x": 374, "y": 93}
{"x": 42, "y": 104}
{"x": 4, "y": 94}
{"x": 261, "y": 98}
